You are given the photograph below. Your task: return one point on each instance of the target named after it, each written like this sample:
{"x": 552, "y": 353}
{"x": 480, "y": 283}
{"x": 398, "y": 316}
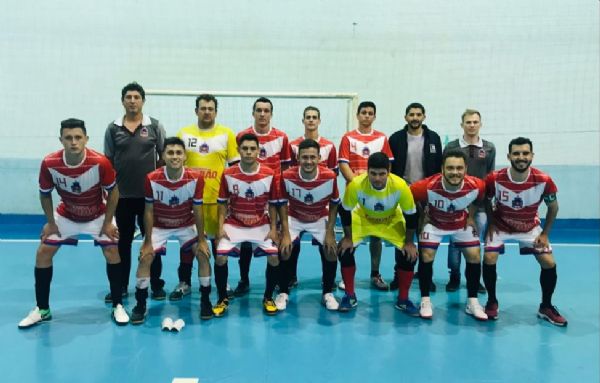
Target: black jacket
{"x": 432, "y": 151}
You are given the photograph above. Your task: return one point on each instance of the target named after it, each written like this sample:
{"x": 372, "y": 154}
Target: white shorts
{"x": 316, "y": 229}
{"x": 69, "y": 230}
{"x": 255, "y": 235}
{"x": 187, "y": 237}
{"x": 525, "y": 241}
{"x": 431, "y": 237}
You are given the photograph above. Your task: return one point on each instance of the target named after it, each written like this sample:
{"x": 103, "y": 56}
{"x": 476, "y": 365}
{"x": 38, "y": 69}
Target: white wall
{"x": 530, "y": 67}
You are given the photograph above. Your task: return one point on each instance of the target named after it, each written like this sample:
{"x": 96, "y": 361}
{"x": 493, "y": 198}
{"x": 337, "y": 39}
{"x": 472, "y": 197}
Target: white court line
{"x": 510, "y": 244}
{"x": 185, "y": 380}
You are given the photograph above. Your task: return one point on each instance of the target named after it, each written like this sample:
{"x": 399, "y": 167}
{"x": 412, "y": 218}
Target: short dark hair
{"x": 133, "y": 86}
{"x": 173, "y": 141}
{"x": 72, "y": 123}
{"x": 366, "y": 104}
{"x": 415, "y": 105}
{"x": 248, "y": 137}
{"x": 308, "y": 143}
{"x": 206, "y": 97}
{"x": 378, "y": 160}
{"x": 454, "y": 153}
{"x": 262, "y": 99}
{"x": 310, "y": 107}
{"x": 520, "y": 141}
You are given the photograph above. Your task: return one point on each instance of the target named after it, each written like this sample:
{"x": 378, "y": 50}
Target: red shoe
{"x": 491, "y": 309}
{"x": 552, "y": 315}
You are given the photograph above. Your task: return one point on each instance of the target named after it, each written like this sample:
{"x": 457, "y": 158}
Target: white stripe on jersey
{"x": 357, "y": 146}
{"x": 206, "y": 145}
{"x": 79, "y": 184}
{"x": 272, "y": 147}
{"x": 258, "y": 187}
{"x": 176, "y": 197}
{"x": 315, "y": 195}
{"x": 529, "y": 196}
{"x": 376, "y": 202}
{"x": 461, "y": 203}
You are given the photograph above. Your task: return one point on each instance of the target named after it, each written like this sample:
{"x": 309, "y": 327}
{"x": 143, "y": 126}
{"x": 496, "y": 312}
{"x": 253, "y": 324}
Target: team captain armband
{"x": 345, "y": 216}
{"x": 412, "y": 221}
{"x": 549, "y": 198}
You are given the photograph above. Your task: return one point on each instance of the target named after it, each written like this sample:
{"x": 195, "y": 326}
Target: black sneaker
{"x": 453, "y": 284}
{"x": 242, "y": 289}
{"x": 206, "y": 309}
{"x": 481, "y": 289}
{"x": 108, "y": 297}
{"x": 138, "y": 315}
{"x": 158, "y": 295}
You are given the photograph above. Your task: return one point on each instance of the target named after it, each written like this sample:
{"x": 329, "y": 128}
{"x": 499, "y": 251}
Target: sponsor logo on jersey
{"x": 366, "y": 152}
{"x": 309, "y": 199}
{"x": 204, "y": 148}
{"x": 517, "y": 203}
{"x": 174, "y": 201}
{"x": 432, "y": 148}
{"x": 144, "y": 132}
{"x": 262, "y": 153}
{"x": 249, "y": 193}
{"x": 378, "y": 207}
{"x": 76, "y": 187}
{"x": 481, "y": 153}
{"x": 451, "y": 208}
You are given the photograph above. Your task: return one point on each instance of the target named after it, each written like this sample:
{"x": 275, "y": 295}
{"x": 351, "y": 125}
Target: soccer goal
{"x": 175, "y": 108}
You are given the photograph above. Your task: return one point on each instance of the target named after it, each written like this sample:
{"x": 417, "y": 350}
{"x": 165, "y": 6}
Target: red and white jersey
{"x": 327, "y": 151}
{"x": 308, "y": 199}
{"x": 448, "y": 210}
{"x": 248, "y": 195}
{"x": 274, "y": 147}
{"x": 80, "y": 186}
{"x": 172, "y": 199}
{"x": 516, "y": 203}
{"x": 356, "y": 147}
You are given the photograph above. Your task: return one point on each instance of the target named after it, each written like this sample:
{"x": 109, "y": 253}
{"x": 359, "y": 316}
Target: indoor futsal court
{"x": 306, "y": 343}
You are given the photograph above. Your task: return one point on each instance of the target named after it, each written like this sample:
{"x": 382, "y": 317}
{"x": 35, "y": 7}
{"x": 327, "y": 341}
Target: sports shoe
{"x": 426, "y": 309}
{"x": 182, "y": 289}
{"x": 34, "y": 317}
{"x": 119, "y": 315}
{"x": 407, "y": 307}
{"x": 281, "y": 301}
{"x": 552, "y": 315}
{"x": 474, "y": 309}
{"x": 453, "y": 284}
{"x": 378, "y": 283}
{"x": 167, "y": 324}
{"x": 158, "y": 295}
{"x": 348, "y": 302}
{"x": 206, "y": 309}
{"x": 108, "y": 297}
{"x": 491, "y": 309}
{"x": 138, "y": 315}
{"x": 221, "y": 307}
{"x": 269, "y": 307}
{"x": 330, "y": 302}
{"x": 342, "y": 285}
{"x": 242, "y": 289}
{"x": 481, "y": 289}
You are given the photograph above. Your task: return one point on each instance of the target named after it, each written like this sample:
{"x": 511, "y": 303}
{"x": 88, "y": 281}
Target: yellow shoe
{"x": 221, "y": 307}
{"x": 269, "y": 307}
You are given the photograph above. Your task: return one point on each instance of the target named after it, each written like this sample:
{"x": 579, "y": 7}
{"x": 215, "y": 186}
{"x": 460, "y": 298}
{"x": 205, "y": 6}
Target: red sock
{"x": 404, "y": 281}
{"x": 348, "y": 277}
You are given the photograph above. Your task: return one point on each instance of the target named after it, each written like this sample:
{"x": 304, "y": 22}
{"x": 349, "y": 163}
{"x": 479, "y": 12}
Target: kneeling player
{"x": 518, "y": 192}
{"x": 81, "y": 176}
{"x": 449, "y": 197}
{"x": 248, "y": 191}
{"x": 309, "y": 188}
{"x": 173, "y": 209}
{"x": 379, "y": 204}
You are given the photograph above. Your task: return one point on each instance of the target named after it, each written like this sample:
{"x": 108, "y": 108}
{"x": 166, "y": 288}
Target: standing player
{"x": 355, "y": 148}
{"x": 274, "y": 152}
{"x": 518, "y": 192}
{"x": 209, "y": 147}
{"x": 309, "y": 189}
{"x": 248, "y": 191}
{"x": 449, "y": 198}
{"x": 481, "y": 160}
{"x": 311, "y": 119}
{"x": 81, "y": 176}
{"x": 133, "y": 144}
{"x": 173, "y": 209}
{"x": 378, "y": 204}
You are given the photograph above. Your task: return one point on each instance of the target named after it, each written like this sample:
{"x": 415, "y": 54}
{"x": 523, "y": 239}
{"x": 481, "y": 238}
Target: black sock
{"x": 548, "y": 279}
{"x": 425, "y": 275}
{"x": 43, "y": 277}
{"x": 185, "y": 273}
{"x": 472, "y": 275}
{"x": 204, "y": 293}
{"x": 489, "y": 279}
{"x": 294, "y": 260}
{"x": 244, "y": 262}
{"x": 115, "y": 273}
{"x": 141, "y": 295}
{"x": 155, "y": 271}
{"x": 221, "y": 274}
{"x": 329, "y": 270}
{"x": 374, "y": 273}
{"x": 285, "y": 275}
{"x": 272, "y": 275}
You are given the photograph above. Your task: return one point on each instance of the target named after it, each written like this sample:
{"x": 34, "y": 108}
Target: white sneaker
{"x": 330, "y": 302}
{"x": 281, "y": 301}
{"x": 178, "y": 325}
{"x": 426, "y": 309}
{"x": 34, "y": 317}
{"x": 167, "y": 324}
{"x": 342, "y": 285}
{"x": 120, "y": 315}
{"x": 474, "y": 309}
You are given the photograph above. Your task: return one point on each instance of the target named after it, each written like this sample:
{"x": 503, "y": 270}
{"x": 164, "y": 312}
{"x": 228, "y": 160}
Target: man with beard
{"x": 517, "y": 193}
{"x": 449, "y": 211}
